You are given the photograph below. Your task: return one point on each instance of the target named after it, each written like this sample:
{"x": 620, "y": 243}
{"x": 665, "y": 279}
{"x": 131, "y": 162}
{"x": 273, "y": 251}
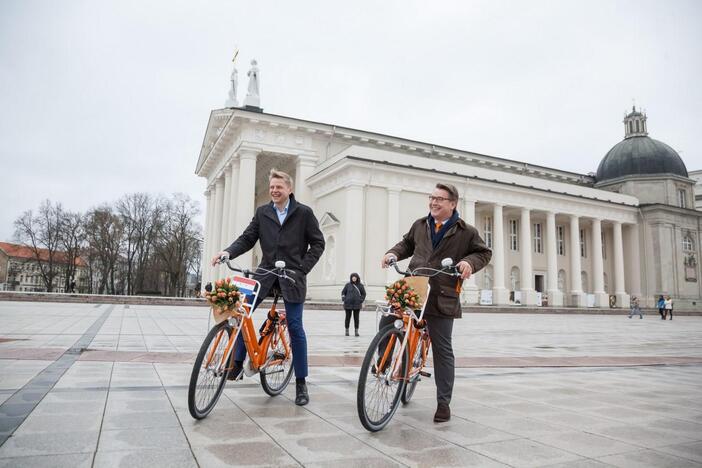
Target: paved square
{"x": 106, "y": 385}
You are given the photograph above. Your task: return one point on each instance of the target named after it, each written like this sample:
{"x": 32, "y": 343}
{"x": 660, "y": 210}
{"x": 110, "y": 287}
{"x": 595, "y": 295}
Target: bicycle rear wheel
{"x": 276, "y": 375}
{"x": 379, "y": 392}
{"x": 209, "y": 374}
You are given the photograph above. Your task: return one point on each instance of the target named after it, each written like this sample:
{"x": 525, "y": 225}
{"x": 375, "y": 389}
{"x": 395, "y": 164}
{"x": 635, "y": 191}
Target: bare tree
{"x": 104, "y": 236}
{"x": 72, "y": 240}
{"x": 142, "y": 217}
{"x": 41, "y": 233}
{"x": 179, "y": 246}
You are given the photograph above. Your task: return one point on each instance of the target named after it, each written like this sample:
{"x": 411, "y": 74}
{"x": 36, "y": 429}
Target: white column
{"x": 352, "y": 224}
{"x": 210, "y": 232}
{"x": 217, "y": 224}
{"x": 246, "y": 196}
{"x": 470, "y": 287}
{"x": 619, "y": 290}
{"x": 527, "y": 274}
{"x": 555, "y": 297}
{"x": 205, "y": 244}
{"x": 304, "y": 168}
{"x": 577, "y": 295}
{"x": 633, "y": 273}
{"x": 393, "y": 230}
{"x": 224, "y": 239}
{"x": 500, "y": 295}
{"x": 601, "y": 297}
{"x": 231, "y": 229}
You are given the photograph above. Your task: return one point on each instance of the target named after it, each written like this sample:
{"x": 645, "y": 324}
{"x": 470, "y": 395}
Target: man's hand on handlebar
{"x": 465, "y": 269}
{"x": 218, "y": 258}
{"x": 388, "y": 259}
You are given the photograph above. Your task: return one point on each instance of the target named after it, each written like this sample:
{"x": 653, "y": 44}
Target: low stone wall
{"x": 314, "y": 305}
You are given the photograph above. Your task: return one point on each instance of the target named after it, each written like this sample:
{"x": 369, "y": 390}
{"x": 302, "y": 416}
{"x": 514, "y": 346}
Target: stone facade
{"x": 556, "y": 237}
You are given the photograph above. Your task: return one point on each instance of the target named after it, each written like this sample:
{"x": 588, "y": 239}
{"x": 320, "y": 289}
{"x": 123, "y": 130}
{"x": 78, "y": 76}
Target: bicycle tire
{"x": 417, "y": 361}
{"x": 206, "y": 385}
{"x": 271, "y": 380}
{"x": 373, "y": 416}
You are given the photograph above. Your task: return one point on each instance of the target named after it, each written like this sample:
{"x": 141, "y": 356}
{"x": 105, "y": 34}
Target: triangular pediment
{"x": 215, "y": 125}
{"x": 328, "y": 220}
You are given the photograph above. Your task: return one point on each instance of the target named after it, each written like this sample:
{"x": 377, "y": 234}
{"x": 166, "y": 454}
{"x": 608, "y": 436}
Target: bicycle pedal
{"x": 424, "y": 374}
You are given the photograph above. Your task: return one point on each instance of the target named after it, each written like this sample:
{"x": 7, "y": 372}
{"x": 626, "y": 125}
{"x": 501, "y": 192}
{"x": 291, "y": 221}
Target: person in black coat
{"x": 353, "y": 296}
{"x": 287, "y": 230}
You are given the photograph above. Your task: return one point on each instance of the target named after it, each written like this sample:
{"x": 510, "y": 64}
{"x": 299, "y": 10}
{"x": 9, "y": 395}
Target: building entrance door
{"x": 539, "y": 283}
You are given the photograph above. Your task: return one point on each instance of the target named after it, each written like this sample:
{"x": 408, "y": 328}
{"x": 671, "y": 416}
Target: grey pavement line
{"x": 102, "y": 420}
{"x": 15, "y": 409}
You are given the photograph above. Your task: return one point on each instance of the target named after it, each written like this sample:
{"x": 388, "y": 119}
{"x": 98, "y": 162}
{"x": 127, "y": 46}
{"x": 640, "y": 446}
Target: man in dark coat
{"x": 442, "y": 234}
{"x": 288, "y": 231}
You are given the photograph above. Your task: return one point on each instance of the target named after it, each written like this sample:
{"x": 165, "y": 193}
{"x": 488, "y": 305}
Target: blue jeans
{"x": 298, "y": 339}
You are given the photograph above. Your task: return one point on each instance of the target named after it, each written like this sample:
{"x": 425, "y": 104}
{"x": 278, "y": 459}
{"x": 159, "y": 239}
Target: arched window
{"x": 562, "y": 281}
{"x": 514, "y": 280}
{"x": 584, "y": 282}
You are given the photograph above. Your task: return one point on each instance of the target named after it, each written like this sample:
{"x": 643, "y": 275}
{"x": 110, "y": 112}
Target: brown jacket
{"x": 461, "y": 242}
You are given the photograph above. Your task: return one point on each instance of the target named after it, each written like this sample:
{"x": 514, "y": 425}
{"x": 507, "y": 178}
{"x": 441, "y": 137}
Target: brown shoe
{"x": 443, "y": 413}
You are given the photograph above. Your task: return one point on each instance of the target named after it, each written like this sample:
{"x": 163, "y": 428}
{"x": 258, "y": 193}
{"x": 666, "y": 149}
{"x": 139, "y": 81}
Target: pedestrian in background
{"x": 635, "y": 309}
{"x": 353, "y": 296}
{"x": 668, "y": 307}
{"x": 661, "y": 306}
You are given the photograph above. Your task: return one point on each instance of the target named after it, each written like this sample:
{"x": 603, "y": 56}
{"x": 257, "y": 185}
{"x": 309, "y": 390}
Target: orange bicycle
{"x": 395, "y": 360}
{"x": 269, "y": 353}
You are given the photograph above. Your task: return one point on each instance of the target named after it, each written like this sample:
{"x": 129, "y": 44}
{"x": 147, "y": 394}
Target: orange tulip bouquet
{"x": 224, "y": 296}
{"x": 401, "y": 295}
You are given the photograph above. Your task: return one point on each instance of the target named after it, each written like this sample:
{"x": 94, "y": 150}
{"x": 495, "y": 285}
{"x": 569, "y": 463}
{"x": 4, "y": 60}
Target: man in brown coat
{"x": 432, "y": 238}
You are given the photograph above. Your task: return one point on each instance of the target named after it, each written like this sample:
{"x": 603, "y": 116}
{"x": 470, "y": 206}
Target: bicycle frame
{"x": 410, "y": 341}
{"x": 244, "y": 325}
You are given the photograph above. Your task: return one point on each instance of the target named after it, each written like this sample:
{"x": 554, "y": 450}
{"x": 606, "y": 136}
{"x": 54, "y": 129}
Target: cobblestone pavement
{"x": 106, "y": 385}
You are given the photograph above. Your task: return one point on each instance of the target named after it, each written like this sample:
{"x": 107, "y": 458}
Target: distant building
{"x": 697, "y": 177}
{"x": 20, "y": 270}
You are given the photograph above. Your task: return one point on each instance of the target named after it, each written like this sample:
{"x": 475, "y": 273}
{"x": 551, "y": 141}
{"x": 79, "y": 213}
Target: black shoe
{"x": 347, "y": 332}
{"x": 357, "y": 332}
{"x": 443, "y": 413}
{"x": 237, "y": 371}
{"x": 301, "y": 395}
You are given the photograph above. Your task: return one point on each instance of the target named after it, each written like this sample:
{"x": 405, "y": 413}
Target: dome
{"x": 638, "y": 154}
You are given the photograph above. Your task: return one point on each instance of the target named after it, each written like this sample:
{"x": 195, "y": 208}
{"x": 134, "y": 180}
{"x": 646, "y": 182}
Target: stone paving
{"x": 106, "y": 385}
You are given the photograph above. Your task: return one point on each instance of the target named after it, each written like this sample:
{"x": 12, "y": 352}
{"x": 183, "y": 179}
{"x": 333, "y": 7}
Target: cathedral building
{"x": 558, "y": 238}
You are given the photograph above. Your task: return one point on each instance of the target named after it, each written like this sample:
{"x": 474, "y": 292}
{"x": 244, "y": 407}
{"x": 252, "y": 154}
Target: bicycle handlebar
{"x": 281, "y": 272}
{"x": 448, "y": 269}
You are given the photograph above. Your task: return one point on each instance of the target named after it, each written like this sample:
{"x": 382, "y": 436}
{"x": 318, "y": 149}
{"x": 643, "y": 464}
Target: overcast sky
{"x": 101, "y": 98}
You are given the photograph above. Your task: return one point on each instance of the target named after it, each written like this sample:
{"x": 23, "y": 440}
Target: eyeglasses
{"x": 438, "y": 199}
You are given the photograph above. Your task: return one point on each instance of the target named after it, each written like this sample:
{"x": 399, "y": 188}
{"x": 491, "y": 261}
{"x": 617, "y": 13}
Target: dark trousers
{"x": 440, "y": 331}
{"x": 298, "y": 339}
{"x": 356, "y": 313}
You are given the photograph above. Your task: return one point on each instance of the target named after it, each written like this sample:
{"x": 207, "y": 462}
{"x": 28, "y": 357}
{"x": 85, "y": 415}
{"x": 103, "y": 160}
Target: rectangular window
{"x": 604, "y": 246}
{"x": 487, "y": 231}
{"x": 513, "y": 235}
{"x": 538, "y": 239}
{"x": 560, "y": 239}
{"x": 583, "y": 247}
{"x": 682, "y": 199}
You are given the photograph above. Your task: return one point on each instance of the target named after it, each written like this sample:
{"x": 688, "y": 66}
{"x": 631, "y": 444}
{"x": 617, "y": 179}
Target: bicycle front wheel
{"x": 418, "y": 362}
{"x": 276, "y": 375}
{"x": 379, "y": 388}
{"x": 209, "y": 371}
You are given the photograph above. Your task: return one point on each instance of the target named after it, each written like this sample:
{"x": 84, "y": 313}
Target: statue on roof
{"x": 234, "y": 79}
{"x": 253, "y": 98}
